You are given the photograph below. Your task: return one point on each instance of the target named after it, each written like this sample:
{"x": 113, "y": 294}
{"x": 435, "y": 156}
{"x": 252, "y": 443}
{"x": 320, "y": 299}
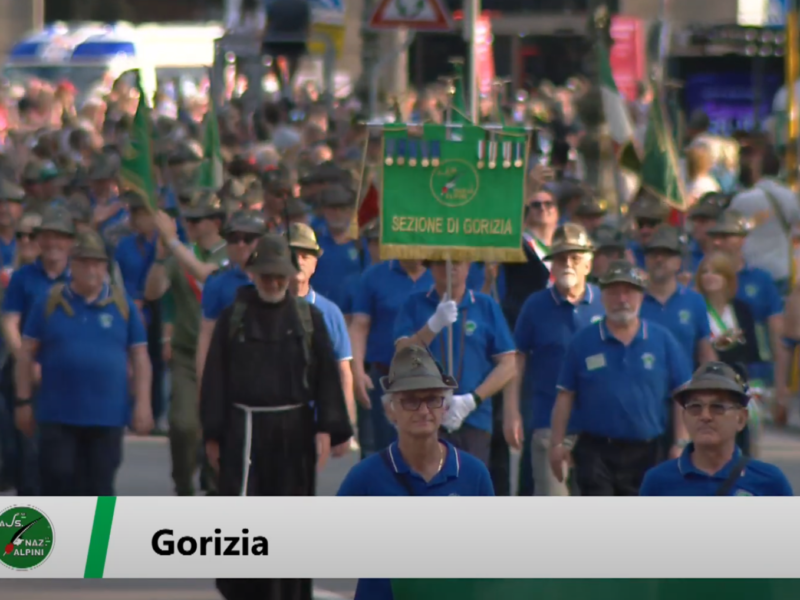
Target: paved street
{"x": 146, "y": 473}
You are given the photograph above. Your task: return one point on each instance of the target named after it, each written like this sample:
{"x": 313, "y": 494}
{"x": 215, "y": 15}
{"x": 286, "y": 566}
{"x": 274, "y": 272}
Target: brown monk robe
{"x": 270, "y": 358}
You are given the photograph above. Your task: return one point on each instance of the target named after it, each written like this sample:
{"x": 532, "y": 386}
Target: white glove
{"x": 446, "y": 314}
{"x": 458, "y": 410}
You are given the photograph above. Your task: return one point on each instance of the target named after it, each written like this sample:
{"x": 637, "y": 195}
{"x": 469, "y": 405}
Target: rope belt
{"x": 248, "y": 433}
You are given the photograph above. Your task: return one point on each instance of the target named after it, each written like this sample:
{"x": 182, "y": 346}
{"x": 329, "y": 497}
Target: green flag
{"x": 660, "y": 173}
{"x": 449, "y": 201}
{"x": 616, "y": 113}
{"x": 136, "y": 169}
{"x": 212, "y": 172}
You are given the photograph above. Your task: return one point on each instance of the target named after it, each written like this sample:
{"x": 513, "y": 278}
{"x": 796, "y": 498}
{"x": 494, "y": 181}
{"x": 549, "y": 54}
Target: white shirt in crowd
{"x": 768, "y": 246}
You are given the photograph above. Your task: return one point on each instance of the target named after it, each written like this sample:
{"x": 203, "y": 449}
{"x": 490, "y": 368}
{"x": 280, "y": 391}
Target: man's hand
{"x": 459, "y": 409}
{"x": 323, "y": 450}
{"x": 559, "y": 462}
{"x": 143, "y": 419}
{"x": 446, "y": 314}
{"x": 512, "y": 430}
{"x": 23, "y": 419}
{"x": 166, "y": 226}
{"x": 363, "y": 384}
{"x": 212, "y": 454}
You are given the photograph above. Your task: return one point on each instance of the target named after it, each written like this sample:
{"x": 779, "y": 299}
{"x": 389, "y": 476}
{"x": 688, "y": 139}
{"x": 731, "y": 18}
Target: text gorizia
{"x": 165, "y": 544}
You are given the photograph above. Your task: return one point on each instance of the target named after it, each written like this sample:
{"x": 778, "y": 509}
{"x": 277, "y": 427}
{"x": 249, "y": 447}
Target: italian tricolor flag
{"x": 616, "y": 113}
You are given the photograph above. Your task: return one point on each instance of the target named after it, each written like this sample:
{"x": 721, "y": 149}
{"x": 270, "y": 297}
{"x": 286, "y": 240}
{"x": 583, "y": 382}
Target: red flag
{"x": 369, "y": 209}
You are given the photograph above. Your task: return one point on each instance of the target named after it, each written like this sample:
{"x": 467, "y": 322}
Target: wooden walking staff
{"x": 451, "y": 92}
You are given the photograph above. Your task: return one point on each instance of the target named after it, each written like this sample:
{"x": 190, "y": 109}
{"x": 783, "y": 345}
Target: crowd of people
{"x": 263, "y": 335}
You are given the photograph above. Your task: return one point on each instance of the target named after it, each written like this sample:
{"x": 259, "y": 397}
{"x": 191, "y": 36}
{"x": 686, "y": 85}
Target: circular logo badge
{"x": 454, "y": 183}
{"x": 26, "y": 538}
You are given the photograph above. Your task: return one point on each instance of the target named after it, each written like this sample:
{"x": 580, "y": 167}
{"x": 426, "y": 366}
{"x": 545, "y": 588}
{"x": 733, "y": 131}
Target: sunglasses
{"x": 717, "y": 409}
{"x": 194, "y": 220}
{"x": 539, "y": 205}
{"x": 21, "y": 235}
{"x": 647, "y": 223}
{"x": 413, "y": 404}
{"x": 241, "y": 238}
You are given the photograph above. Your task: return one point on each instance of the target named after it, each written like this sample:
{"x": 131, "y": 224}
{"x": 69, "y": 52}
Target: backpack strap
{"x": 303, "y": 308}
{"x": 117, "y": 297}
{"x": 55, "y": 298}
{"x": 736, "y": 472}
{"x": 237, "y": 317}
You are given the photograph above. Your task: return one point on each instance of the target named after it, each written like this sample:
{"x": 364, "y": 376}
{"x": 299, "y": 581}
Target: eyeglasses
{"x": 717, "y": 409}
{"x": 413, "y": 404}
{"x": 241, "y": 238}
{"x": 194, "y": 220}
{"x": 22, "y": 235}
{"x": 539, "y": 205}
{"x": 647, "y": 223}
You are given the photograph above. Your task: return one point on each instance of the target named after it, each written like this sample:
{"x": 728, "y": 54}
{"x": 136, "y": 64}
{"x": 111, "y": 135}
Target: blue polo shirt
{"x": 622, "y": 392}
{"x": 545, "y": 326}
{"x": 135, "y": 255}
{"x": 347, "y": 293}
{"x": 220, "y": 290}
{"x": 485, "y": 334}
{"x": 679, "y": 477}
{"x": 337, "y": 262}
{"x": 638, "y": 253}
{"x": 27, "y": 285}
{"x": 7, "y": 251}
{"x": 334, "y": 323}
{"x": 684, "y": 315}
{"x": 381, "y": 293}
{"x": 759, "y": 291}
{"x": 462, "y": 475}
{"x": 84, "y": 360}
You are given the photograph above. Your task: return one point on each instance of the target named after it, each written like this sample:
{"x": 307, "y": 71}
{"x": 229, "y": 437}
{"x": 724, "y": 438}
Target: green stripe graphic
{"x": 101, "y": 533}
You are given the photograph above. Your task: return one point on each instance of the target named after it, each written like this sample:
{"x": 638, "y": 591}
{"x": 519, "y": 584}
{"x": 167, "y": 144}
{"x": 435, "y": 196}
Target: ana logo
{"x": 685, "y": 317}
{"x": 597, "y": 319}
{"x": 470, "y": 327}
{"x": 105, "y": 321}
{"x": 751, "y": 290}
{"x": 649, "y": 360}
{"x": 26, "y": 538}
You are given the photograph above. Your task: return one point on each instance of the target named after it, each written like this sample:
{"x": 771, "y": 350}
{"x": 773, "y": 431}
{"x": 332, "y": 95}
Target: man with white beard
{"x": 270, "y": 357}
{"x": 618, "y": 376}
{"x": 548, "y": 321}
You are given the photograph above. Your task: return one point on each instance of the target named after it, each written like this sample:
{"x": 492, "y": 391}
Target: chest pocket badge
{"x": 648, "y": 360}
{"x": 353, "y": 253}
{"x": 470, "y": 327}
{"x": 596, "y": 319}
{"x": 685, "y": 316}
{"x": 751, "y": 290}
{"x": 598, "y": 361}
{"x": 106, "y": 321}
{"x": 742, "y": 493}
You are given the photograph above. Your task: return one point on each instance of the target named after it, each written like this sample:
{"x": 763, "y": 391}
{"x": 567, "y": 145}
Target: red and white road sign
{"x": 418, "y": 15}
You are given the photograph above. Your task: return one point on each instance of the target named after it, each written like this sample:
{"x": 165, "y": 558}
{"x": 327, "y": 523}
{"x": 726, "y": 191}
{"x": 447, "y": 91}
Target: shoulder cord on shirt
{"x": 462, "y": 341}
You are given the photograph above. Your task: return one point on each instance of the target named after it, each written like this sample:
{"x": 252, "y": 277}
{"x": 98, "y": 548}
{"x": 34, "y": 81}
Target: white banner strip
{"x": 424, "y": 537}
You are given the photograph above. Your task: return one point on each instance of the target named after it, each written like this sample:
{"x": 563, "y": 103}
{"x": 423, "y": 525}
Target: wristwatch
{"x": 19, "y": 402}
{"x": 477, "y": 398}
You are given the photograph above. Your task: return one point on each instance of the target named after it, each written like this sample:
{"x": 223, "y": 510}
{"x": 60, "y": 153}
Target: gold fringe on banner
{"x": 456, "y": 253}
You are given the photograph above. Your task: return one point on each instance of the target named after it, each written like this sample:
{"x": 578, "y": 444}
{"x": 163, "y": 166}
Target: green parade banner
{"x": 595, "y": 589}
{"x": 453, "y": 192}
